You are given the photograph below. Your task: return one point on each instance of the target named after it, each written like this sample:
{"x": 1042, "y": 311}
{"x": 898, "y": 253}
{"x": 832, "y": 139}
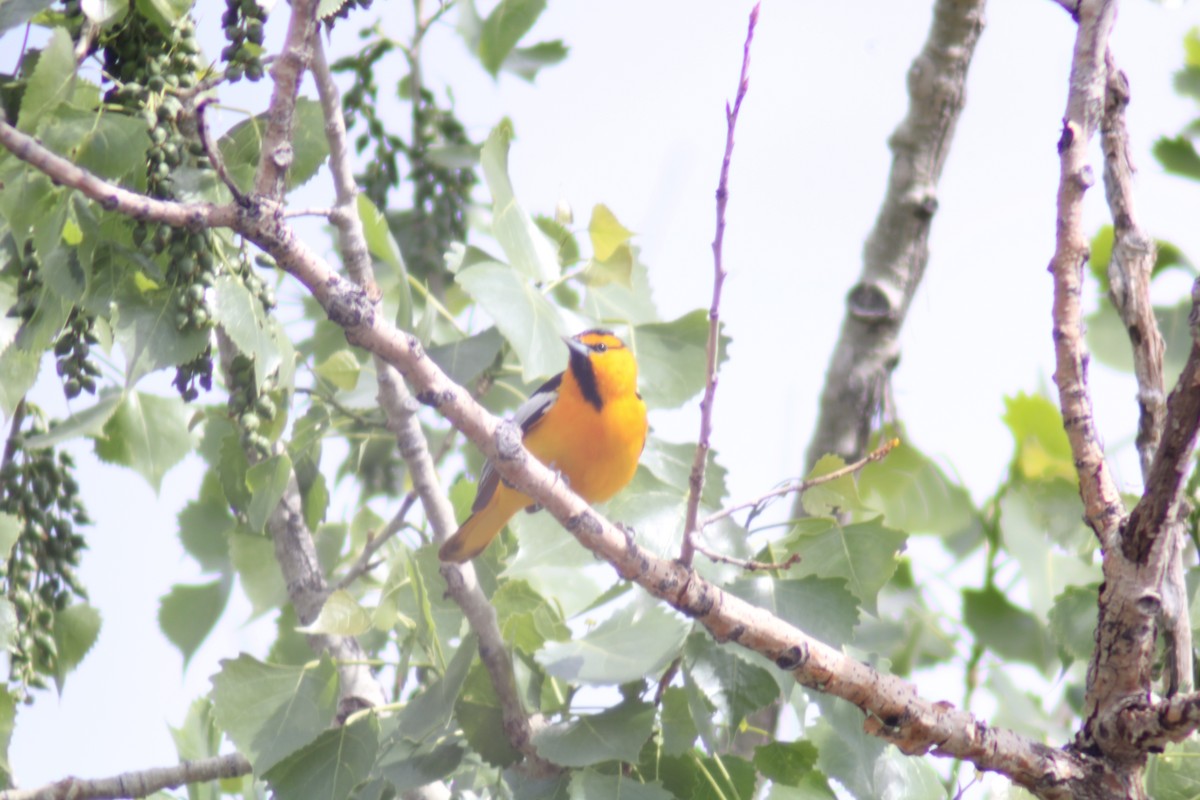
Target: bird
{"x": 588, "y": 422}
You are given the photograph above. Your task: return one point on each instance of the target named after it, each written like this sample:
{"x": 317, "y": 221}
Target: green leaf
{"x": 147, "y": 433}
{"x": 1007, "y": 630}
{"x": 528, "y": 250}
{"x": 240, "y": 147}
{"x": 477, "y": 711}
{"x": 671, "y": 462}
{"x": 737, "y": 687}
{"x": 588, "y": 784}
{"x": 617, "y": 304}
{"x": 331, "y": 766}
{"x": 530, "y": 323}
{"x": 464, "y": 360}
{"x": 1073, "y": 622}
{"x": 509, "y": 21}
{"x": 1178, "y": 156}
{"x": 380, "y": 241}
{"x": 1101, "y": 248}
{"x": 833, "y": 497}
{"x": 145, "y": 329}
{"x": 241, "y": 316}
{"x": 8, "y": 622}
{"x": 821, "y": 607}
{"x": 19, "y": 12}
{"x": 431, "y": 711}
{"x": 1175, "y": 773}
{"x": 1027, "y": 515}
{"x": 8, "y": 710}
{"x": 104, "y": 12}
{"x": 1042, "y": 448}
{"x": 406, "y": 766}
{"x": 110, "y": 145}
{"x": 636, "y": 641}
{"x": 204, "y": 524}
{"x": 915, "y": 495}
{"x": 270, "y": 711}
{"x": 606, "y": 232}
{"x": 52, "y": 81}
{"x": 786, "y": 762}
{"x": 10, "y": 531}
{"x": 674, "y": 355}
{"x": 198, "y": 737}
{"x": 267, "y": 481}
{"x": 341, "y": 369}
{"x": 527, "y": 619}
{"x": 75, "y": 630}
{"x": 813, "y": 786}
{"x": 864, "y": 554}
{"x": 708, "y": 778}
{"x": 188, "y": 613}
{"x": 165, "y": 14}
{"x": 253, "y": 557}
{"x": 89, "y": 422}
{"x": 615, "y": 734}
{"x": 232, "y": 466}
{"x": 679, "y": 730}
{"x": 553, "y": 563}
{"x": 341, "y": 616}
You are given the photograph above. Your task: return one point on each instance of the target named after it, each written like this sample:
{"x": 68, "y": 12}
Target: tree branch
{"x": 897, "y": 251}
{"x": 700, "y": 462}
{"x": 141, "y": 783}
{"x": 894, "y": 710}
{"x": 400, "y": 411}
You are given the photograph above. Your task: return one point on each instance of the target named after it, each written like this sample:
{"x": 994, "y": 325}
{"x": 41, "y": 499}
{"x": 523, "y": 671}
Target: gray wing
{"x": 527, "y": 415}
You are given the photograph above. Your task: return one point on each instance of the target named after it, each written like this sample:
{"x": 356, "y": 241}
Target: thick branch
{"x": 897, "y": 250}
{"x": 400, "y": 410}
{"x": 287, "y": 71}
{"x": 138, "y": 784}
{"x": 1154, "y": 726}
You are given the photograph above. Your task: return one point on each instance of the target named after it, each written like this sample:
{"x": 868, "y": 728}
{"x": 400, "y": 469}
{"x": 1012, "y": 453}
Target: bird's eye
{"x": 599, "y": 347}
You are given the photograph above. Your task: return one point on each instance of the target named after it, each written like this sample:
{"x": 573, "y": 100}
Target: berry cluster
{"x": 39, "y": 576}
{"x": 73, "y": 352}
{"x": 250, "y": 405}
{"x": 243, "y": 22}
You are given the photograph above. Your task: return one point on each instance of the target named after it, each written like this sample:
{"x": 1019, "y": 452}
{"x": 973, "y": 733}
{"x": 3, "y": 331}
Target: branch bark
{"x": 897, "y": 249}
{"x": 141, "y": 783}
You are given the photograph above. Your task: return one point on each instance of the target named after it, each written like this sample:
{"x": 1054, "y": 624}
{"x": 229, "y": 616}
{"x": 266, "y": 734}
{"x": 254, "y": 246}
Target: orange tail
{"x": 483, "y": 526}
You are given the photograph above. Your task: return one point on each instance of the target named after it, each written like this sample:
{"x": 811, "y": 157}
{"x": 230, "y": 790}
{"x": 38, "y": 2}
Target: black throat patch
{"x": 585, "y": 375}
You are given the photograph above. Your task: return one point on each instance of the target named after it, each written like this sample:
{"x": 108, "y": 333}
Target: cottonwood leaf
{"x": 528, "y": 250}
{"x": 188, "y": 613}
{"x": 1006, "y": 629}
{"x": 914, "y": 494}
{"x": 477, "y": 711}
{"x": 831, "y": 497}
{"x": 1073, "y": 622}
{"x": 51, "y": 83}
{"x": 464, "y": 360}
{"x": 1174, "y": 774}
{"x": 679, "y": 730}
{"x": 89, "y": 422}
{"x": 588, "y": 784}
{"x": 329, "y": 767}
{"x": 505, "y": 25}
{"x": 615, "y": 734}
{"x": 267, "y": 481}
{"x": 821, "y": 607}
{"x": 76, "y": 628}
{"x": 204, "y": 524}
{"x": 675, "y": 354}
{"x": 863, "y": 553}
{"x": 786, "y": 762}
{"x": 270, "y": 710}
{"x": 699, "y": 777}
{"x": 146, "y": 330}
{"x": 253, "y": 557}
{"x": 737, "y": 687}
{"x": 636, "y": 641}
{"x": 530, "y": 322}
{"x": 340, "y": 616}
{"x": 147, "y": 433}
{"x": 527, "y": 619}
{"x": 1041, "y": 446}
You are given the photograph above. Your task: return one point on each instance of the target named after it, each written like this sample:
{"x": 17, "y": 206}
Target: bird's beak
{"x": 576, "y": 347}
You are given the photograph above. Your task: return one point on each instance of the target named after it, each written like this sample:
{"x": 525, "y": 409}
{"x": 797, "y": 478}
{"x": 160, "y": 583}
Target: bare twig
{"x": 1156, "y": 725}
{"x": 141, "y": 783}
{"x": 700, "y": 462}
{"x": 878, "y": 454}
{"x": 309, "y": 212}
{"x": 400, "y": 411}
{"x": 366, "y": 559}
{"x": 214, "y": 155}
{"x": 748, "y": 564}
{"x": 286, "y": 73}
{"x": 897, "y": 249}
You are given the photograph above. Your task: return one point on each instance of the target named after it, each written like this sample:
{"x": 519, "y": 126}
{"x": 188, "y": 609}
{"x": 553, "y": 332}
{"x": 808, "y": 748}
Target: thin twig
{"x": 878, "y": 454}
{"x": 748, "y": 564}
{"x": 700, "y": 462}
{"x": 141, "y": 783}
{"x": 365, "y": 563}
{"x": 214, "y": 154}
{"x": 309, "y": 212}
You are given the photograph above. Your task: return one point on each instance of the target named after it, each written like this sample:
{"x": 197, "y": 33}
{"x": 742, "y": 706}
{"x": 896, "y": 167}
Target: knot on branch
{"x": 347, "y": 305}
{"x": 922, "y": 199}
{"x": 1149, "y": 604}
{"x": 873, "y": 302}
{"x": 283, "y": 155}
{"x": 508, "y": 442}
{"x": 792, "y": 658}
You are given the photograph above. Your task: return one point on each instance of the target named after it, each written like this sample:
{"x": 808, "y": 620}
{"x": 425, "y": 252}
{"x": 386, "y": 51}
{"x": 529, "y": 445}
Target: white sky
{"x": 634, "y": 119}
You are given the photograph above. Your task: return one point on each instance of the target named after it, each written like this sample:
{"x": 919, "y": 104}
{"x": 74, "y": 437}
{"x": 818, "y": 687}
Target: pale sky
{"x": 634, "y": 119}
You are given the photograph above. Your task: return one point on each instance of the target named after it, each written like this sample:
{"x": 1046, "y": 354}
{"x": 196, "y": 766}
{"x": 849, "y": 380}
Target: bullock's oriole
{"x": 588, "y": 422}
